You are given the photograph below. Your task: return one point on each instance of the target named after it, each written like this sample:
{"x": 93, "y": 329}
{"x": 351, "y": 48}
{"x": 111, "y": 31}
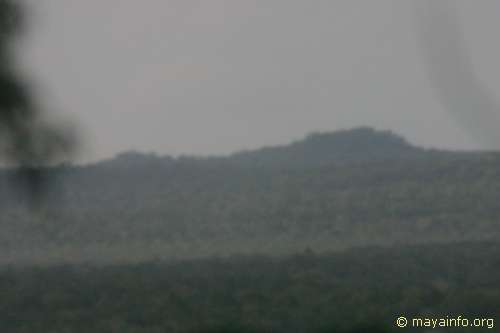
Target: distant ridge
{"x": 362, "y": 144}
{"x": 328, "y": 191}
{"x": 344, "y": 146}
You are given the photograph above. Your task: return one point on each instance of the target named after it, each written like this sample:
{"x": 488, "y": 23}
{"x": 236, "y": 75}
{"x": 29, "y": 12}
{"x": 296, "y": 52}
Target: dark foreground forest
{"x": 363, "y": 290}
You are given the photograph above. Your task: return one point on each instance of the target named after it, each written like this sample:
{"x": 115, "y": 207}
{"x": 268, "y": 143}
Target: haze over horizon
{"x": 191, "y": 77}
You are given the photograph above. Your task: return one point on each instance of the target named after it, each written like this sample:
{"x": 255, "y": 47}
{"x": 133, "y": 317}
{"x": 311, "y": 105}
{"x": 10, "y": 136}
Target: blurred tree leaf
{"x": 25, "y": 140}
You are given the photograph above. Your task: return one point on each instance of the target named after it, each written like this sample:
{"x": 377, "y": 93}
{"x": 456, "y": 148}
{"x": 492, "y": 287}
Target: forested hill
{"x": 319, "y": 149}
{"x": 328, "y": 191}
{"x": 362, "y": 144}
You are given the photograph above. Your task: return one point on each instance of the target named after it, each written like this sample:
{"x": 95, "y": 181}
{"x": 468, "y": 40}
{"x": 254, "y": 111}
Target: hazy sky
{"x": 215, "y": 76}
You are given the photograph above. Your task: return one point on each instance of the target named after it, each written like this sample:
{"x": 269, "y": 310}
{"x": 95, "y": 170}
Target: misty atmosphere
{"x": 239, "y": 166}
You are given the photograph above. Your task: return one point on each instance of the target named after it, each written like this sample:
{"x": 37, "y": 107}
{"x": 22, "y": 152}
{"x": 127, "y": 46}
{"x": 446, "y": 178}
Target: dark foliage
{"x": 25, "y": 140}
{"x": 361, "y": 290}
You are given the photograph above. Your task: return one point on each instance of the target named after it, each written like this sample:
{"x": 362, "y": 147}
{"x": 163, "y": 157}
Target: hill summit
{"x": 345, "y": 146}
{"x": 362, "y": 144}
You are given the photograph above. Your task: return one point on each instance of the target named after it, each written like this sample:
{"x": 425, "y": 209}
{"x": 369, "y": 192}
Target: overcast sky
{"x": 216, "y": 76}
